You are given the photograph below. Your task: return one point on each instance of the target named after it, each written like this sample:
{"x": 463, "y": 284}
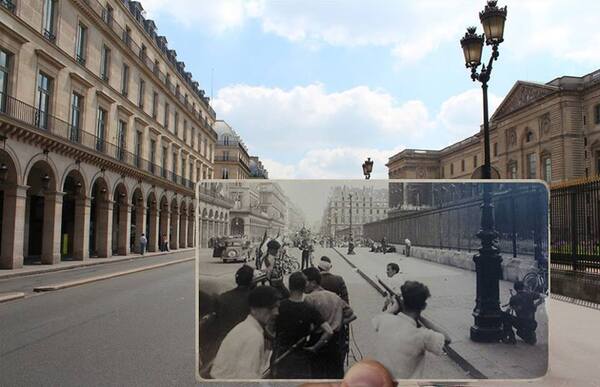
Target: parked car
{"x": 237, "y": 250}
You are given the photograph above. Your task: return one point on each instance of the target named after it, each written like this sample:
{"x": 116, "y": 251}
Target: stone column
{"x": 191, "y": 240}
{"x": 153, "y": 232}
{"x": 53, "y": 202}
{"x": 183, "y": 231}
{"x": 203, "y": 233}
{"x": 13, "y": 227}
{"x": 104, "y": 232}
{"x": 124, "y": 229}
{"x": 164, "y": 225}
{"x": 140, "y": 227}
{"x": 81, "y": 232}
{"x": 174, "y": 237}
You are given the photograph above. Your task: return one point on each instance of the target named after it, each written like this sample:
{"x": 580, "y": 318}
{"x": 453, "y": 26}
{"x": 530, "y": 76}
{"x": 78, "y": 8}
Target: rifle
{"x": 422, "y": 320}
{"x": 391, "y": 293}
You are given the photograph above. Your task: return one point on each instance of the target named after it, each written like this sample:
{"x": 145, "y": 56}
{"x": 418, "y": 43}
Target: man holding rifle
{"x": 403, "y": 335}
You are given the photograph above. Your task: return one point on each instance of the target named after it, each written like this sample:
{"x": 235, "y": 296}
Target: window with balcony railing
{"x": 81, "y": 43}
{"x": 105, "y": 63}
{"x": 49, "y": 20}
{"x": 125, "y": 80}
{"x": 5, "y": 62}
{"x": 44, "y": 92}
{"x": 76, "y": 113}
{"x": 101, "y": 130}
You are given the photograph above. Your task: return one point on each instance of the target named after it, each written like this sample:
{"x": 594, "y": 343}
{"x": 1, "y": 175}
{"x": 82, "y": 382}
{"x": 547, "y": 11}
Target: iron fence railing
{"x": 47, "y": 123}
{"x": 575, "y": 226}
{"x": 521, "y": 222}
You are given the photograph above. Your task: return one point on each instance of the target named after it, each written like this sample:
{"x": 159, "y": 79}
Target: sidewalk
{"x": 451, "y": 305}
{"x": 66, "y": 265}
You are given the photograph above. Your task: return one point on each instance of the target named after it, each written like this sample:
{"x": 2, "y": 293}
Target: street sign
{"x": 478, "y": 173}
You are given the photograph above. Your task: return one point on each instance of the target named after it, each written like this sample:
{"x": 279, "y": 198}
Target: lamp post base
{"x": 486, "y": 335}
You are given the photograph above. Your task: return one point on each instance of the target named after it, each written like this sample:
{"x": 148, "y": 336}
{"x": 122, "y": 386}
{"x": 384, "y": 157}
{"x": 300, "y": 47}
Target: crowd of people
{"x": 301, "y": 331}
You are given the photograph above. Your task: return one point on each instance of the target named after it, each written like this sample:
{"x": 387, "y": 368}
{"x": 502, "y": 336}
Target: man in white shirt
{"x": 400, "y": 340}
{"x": 242, "y": 354}
{"x": 394, "y": 282}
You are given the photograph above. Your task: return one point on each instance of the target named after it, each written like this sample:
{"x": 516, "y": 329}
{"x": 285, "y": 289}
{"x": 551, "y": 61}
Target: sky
{"x": 314, "y": 87}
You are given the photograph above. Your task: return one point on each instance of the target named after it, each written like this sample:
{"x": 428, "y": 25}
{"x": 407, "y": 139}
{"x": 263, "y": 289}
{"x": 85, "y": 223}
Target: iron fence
{"x": 575, "y": 226}
{"x": 520, "y": 212}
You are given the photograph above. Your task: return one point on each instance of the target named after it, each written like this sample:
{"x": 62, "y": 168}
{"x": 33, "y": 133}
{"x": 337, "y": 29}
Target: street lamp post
{"x": 350, "y": 240}
{"x": 487, "y": 314}
{"x": 367, "y": 168}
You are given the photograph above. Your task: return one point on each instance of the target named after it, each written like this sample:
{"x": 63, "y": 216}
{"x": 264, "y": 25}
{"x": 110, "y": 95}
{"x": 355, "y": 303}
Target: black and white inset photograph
{"x": 299, "y": 280}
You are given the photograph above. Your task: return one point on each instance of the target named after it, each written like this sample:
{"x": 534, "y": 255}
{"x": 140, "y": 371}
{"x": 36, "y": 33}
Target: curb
{"x": 65, "y": 285}
{"x": 86, "y": 263}
{"x": 452, "y": 354}
{"x": 5, "y": 297}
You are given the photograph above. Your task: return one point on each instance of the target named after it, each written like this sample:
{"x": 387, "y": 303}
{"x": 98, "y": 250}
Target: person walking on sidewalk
{"x": 165, "y": 243}
{"x": 524, "y": 304}
{"x": 402, "y": 338}
{"x": 407, "y": 247}
{"x": 143, "y": 243}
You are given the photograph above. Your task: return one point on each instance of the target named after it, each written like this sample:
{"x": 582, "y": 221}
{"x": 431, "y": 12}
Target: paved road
{"x": 139, "y": 330}
{"x": 366, "y": 303}
{"x": 131, "y": 330}
{"x": 27, "y": 283}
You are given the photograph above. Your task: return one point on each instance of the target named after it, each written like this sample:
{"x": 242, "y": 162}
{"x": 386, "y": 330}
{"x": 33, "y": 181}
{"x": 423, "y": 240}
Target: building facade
{"x": 349, "y": 208}
{"x": 257, "y": 170}
{"x": 103, "y": 133}
{"x": 231, "y": 155}
{"x": 540, "y": 131}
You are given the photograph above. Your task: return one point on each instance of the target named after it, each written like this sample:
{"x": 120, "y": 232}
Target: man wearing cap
{"x": 242, "y": 354}
{"x": 333, "y": 283}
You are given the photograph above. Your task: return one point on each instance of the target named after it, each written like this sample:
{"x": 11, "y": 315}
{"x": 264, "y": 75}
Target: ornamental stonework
{"x": 544, "y": 122}
{"x": 524, "y": 95}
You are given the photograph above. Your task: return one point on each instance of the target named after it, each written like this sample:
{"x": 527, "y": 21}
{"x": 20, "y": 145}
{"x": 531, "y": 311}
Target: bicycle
{"x": 537, "y": 280}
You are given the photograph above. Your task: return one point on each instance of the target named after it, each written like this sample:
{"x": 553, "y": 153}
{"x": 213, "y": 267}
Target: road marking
{"x": 4, "y": 297}
{"x": 70, "y": 284}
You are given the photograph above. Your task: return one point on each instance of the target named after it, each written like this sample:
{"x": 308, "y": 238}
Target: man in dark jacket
{"x": 333, "y": 283}
{"x": 231, "y": 307}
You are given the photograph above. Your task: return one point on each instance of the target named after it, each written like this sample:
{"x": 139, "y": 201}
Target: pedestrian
{"x": 306, "y": 252}
{"x": 273, "y": 269}
{"x": 407, "y": 247}
{"x": 242, "y": 354}
{"x": 328, "y": 364}
{"x": 401, "y": 340}
{"x": 165, "y": 243}
{"x": 296, "y": 321}
{"x": 383, "y": 245}
{"x": 143, "y": 243}
{"x": 524, "y": 304}
{"x": 231, "y": 307}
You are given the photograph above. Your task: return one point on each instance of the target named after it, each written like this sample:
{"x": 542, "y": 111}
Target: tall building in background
{"x": 257, "y": 170}
{"x": 231, "y": 156}
{"x": 102, "y": 134}
{"x": 367, "y": 203}
{"x": 545, "y": 131}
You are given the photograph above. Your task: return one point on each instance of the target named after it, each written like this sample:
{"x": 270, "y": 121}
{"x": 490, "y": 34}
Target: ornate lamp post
{"x": 367, "y": 168}
{"x": 488, "y": 323}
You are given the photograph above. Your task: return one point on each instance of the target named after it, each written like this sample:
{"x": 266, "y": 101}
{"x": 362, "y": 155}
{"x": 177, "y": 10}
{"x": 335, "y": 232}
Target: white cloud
{"x": 411, "y": 29}
{"x": 304, "y": 117}
{"x": 306, "y": 132}
{"x": 462, "y": 114}
{"x": 332, "y": 163}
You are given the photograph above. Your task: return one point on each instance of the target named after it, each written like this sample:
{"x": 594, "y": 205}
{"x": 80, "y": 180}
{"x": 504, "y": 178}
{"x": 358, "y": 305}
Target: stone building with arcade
{"x": 102, "y": 135}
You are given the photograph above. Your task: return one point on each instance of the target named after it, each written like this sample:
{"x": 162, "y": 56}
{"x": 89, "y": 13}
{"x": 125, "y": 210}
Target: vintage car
{"x": 237, "y": 250}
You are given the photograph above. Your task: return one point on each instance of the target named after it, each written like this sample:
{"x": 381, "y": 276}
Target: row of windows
{"x": 49, "y": 21}
{"x": 43, "y": 100}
